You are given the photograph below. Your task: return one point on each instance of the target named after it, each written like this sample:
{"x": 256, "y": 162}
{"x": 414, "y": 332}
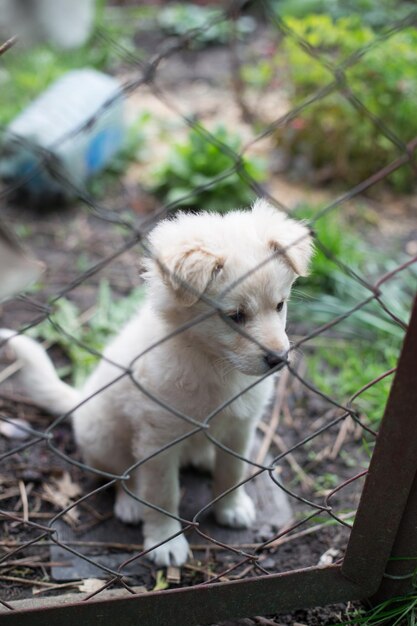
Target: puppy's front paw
{"x": 173, "y": 552}
{"x": 235, "y": 510}
{"x": 127, "y": 509}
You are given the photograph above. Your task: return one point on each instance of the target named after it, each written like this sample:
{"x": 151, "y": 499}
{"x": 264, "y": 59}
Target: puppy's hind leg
{"x": 105, "y": 448}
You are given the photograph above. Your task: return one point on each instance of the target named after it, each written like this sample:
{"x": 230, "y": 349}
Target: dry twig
{"x": 305, "y": 480}
{"x": 272, "y": 425}
{"x": 7, "y": 45}
{"x": 24, "y": 499}
{"x": 307, "y": 531}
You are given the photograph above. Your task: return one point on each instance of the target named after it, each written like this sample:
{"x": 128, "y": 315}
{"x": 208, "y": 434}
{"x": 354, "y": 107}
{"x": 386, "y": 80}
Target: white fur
{"x": 194, "y": 372}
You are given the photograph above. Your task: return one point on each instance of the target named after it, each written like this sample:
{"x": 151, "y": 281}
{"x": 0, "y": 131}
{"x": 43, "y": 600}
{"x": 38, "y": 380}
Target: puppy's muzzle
{"x": 273, "y": 359}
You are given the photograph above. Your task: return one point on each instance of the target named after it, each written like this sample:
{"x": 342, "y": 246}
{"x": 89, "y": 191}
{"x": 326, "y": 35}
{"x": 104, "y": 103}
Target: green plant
{"x": 106, "y": 321}
{"x": 367, "y": 343}
{"x": 374, "y": 13}
{"x": 335, "y": 241}
{"x": 334, "y": 137}
{"x": 189, "y": 173}
{"x": 326, "y": 481}
{"x": 212, "y": 23}
{"x": 398, "y": 611}
{"x": 258, "y": 74}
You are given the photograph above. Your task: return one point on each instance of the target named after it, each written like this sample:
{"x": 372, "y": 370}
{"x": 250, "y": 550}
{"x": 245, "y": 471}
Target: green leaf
{"x": 161, "y": 581}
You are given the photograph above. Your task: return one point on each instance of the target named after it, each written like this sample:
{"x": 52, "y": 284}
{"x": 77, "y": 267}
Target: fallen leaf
{"x": 62, "y": 502}
{"x": 62, "y": 492}
{"x": 411, "y": 247}
{"x": 328, "y": 557}
{"x": 161, "y": 581}
{"x": 90, "y": 585}
{"x": 67, "y": 487}
{"x": 51, "y": 586}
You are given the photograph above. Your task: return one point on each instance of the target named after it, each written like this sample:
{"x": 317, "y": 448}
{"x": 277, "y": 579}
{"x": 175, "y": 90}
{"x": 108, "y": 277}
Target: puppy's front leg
{"x": 235, "y": 509}
{"x": 159, "y": 485}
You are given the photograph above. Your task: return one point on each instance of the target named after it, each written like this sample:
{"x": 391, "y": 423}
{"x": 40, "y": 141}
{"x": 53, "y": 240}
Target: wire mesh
{"x": 49, "y": 447}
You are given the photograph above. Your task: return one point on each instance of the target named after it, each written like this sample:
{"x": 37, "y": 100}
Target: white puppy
{"x": 214, "y": 321}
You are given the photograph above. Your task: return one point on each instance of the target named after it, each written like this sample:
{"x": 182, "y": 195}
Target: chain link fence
{"x": 45, "y": 528}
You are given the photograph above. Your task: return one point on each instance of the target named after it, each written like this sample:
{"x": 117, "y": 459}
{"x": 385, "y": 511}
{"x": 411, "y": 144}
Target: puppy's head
{"x": 240, "y": 265}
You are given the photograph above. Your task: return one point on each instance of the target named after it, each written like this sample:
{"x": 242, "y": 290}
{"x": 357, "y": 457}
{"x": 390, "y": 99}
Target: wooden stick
{"x": 289, "y": 457}
{"x": 345, "y": 428}
{"x": 307, "y": 531}
{"x": 274, "y": 420}
{"x": 26, "y": 581}
{"x": 24, "y": 499}
{"x": 7, "y": 45}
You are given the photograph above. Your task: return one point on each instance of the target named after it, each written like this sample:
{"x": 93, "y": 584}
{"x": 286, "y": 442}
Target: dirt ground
{"x": 68, "y": 240}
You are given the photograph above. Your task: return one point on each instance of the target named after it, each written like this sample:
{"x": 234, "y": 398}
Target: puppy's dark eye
{"x": 239, "y": 317}
{"x": 280, "y": 306}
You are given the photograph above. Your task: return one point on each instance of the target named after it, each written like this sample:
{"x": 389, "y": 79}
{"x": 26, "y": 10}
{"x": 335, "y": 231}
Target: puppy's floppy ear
{"x": 297, "y": 250}
{"x": 290, "y": 239}
{"x": 189, "y": 271}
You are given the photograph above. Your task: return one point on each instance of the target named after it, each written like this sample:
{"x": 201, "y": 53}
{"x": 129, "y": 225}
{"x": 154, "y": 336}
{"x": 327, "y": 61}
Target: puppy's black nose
{"x": 272, "y": 359}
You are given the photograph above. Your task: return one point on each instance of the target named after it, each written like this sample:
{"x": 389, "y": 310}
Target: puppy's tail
{"x": 39, "y": 376}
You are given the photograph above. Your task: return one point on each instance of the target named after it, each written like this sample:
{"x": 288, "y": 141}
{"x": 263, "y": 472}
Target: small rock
{"x": 328, "y": 557}
{"x": 411, "y": 247}
{"x": 268, "y": 563}
{"x": 15, "y": 428}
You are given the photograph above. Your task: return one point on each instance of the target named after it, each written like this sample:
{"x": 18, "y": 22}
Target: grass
{"x": 66, "y": 329}
{"x": 398, "y": 611}
{"x": 368, "y": 342}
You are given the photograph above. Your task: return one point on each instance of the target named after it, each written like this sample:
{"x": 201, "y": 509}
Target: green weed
{"x": 212, "y": 23}
{"x": 335, "y": 137}
{"x": 374, "y": 13}
{"x": 65, "y": 329}
{"x": 399, "y": 611}
{"x": 367, "y": 343}
{"x": 196, "y": 163}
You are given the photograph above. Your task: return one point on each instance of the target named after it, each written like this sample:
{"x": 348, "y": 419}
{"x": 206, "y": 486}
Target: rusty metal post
{"x": 399, "y": 578}
{"x": 202, "y": 604}
{"x": 387, "y": 489}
